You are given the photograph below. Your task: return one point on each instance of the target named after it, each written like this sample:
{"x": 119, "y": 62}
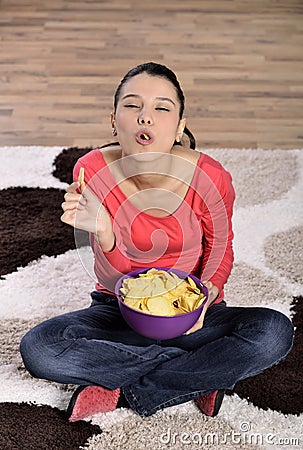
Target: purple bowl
{"x": 159, "y": 327}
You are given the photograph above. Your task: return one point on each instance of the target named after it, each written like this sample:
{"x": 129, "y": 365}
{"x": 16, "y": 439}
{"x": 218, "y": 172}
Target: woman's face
{"x": 147, "y": 115}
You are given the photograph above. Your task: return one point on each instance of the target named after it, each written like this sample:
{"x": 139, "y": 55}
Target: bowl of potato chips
{"x": 160, "y": 303}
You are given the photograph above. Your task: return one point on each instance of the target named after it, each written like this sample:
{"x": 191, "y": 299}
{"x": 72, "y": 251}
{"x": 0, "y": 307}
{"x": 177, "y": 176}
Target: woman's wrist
{"x": 107, "y": 243}
{"x": 213, "y": 291}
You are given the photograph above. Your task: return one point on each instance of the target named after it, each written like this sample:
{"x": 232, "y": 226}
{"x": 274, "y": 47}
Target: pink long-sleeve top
{"x": 196, "y": 238}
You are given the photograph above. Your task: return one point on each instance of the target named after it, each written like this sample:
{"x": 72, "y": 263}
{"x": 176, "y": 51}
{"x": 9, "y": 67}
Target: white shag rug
{"x": 268, "y": 213}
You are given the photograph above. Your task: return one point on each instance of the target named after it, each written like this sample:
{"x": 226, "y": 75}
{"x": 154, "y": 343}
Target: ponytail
{"x": 191, "y": 138}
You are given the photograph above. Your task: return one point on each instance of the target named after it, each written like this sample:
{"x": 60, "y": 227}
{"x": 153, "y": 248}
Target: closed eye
{"x": 162, "y": 109}
{"x": 131, "y": 106}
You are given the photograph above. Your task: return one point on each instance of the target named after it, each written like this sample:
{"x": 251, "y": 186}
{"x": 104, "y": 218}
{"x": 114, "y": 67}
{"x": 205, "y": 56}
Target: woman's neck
{"x": 148, "y": 170}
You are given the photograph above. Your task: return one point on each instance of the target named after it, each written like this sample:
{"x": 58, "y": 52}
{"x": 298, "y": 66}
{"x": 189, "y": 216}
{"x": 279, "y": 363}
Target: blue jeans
{"x": 95, "y": 346}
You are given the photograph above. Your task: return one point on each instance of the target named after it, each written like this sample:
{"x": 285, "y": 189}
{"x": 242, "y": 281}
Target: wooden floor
{"x": 240, "y": 63}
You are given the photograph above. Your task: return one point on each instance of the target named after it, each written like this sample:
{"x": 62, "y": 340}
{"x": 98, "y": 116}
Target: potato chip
{"x": 81, "y": 178}
{"x": 161, "y": 293}
{"x": 133, "y": 302}
{"x": 159, "y": 307}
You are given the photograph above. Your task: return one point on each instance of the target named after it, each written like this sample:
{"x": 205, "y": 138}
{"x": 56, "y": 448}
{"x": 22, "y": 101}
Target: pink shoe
{"x": 210, "y": 403}
{"x": 88, "y": 400}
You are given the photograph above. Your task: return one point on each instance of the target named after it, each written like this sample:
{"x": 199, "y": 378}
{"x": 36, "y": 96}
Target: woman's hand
{"x": 85, "y": 211}
{"x": 213, "y": 292}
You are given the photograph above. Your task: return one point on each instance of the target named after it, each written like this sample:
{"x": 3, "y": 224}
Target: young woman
{"x": 151, "y": 200}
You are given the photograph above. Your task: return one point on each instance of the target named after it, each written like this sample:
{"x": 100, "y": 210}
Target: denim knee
{"x": 275, "y": 336}
{"x": 33, "y": 356}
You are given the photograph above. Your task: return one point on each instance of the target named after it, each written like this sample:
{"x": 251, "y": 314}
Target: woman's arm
{"x": 218, "y": 256}
{"x": 84, "y": 210}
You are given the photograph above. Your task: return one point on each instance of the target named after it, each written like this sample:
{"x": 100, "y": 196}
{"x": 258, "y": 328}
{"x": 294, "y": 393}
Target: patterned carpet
{"x": 42, "y": 276}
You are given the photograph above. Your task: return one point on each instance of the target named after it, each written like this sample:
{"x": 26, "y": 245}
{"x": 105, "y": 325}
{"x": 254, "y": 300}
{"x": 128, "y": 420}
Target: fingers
{"x": 208, "y": 284}
{"x": 73, "y": 200}
{"x": 68, "y": 217}
{"x": 86, "y": 212}
{"x": 72, "y": 188}
{"x": 212, "y": 294}
{"x": 213, "y": 291}
{"x": 71, "y": 197}
{"x": 198, "y": 325}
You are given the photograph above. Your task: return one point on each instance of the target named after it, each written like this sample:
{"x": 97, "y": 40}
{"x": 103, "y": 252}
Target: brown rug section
{"x": 30, "y": 226}
{"x": 30, "y": 427}
{"x": 280, "y": 387}
{"x": 65, "y": 162}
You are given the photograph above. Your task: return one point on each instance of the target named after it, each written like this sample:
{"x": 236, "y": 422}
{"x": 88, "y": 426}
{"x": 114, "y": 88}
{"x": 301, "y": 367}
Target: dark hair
{"x": 158, "y": 70}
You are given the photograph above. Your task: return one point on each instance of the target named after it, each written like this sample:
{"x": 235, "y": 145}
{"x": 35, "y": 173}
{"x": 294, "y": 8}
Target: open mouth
{"x": 144, "y": 138}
